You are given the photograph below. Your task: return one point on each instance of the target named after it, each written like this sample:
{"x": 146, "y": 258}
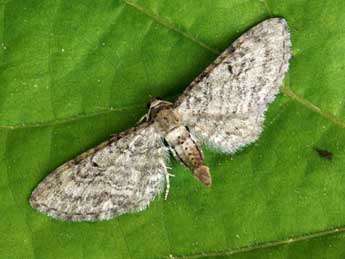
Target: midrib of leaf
{"x": 270, "y": 244}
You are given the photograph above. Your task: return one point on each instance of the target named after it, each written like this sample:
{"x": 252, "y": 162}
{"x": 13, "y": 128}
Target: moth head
{"x": 156, "y": 104}
{"x": 162, "y": 111}
{"x": 153, "y": 102}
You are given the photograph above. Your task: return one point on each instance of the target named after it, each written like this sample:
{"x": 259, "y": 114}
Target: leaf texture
{"x": 74, "y": 72}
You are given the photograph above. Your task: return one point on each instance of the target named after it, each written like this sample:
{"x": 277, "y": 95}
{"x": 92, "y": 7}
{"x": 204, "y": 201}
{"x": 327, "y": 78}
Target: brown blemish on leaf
{"x": 324, "y": 153}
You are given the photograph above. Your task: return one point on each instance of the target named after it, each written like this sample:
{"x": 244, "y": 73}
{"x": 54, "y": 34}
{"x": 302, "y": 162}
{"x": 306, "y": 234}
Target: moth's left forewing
{"x": 224, "y": 106}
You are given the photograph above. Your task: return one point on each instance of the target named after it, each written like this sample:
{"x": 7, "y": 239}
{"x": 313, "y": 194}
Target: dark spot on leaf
{"x": 324, "y": 153}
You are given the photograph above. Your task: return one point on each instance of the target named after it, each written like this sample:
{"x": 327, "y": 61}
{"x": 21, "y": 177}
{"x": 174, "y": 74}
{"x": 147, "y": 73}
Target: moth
{"x": 222, "y": 108}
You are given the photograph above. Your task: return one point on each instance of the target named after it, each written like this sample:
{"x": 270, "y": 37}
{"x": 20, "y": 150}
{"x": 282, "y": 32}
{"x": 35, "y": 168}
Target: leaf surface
{"x": 74, "y": 72}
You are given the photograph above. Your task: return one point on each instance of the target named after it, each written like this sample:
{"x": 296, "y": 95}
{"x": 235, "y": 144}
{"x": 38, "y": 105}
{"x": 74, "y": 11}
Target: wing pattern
{"x": 121, "y": 175}
{"x": 225, "y": 105}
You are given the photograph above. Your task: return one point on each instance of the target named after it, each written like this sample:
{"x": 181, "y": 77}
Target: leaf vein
{"x": 267, "y": 7}
{"x": 160, "y": 20}
{"x": 269, "y": 244}
{"x": 67, "y": 120}
{"x": 288, "y": 92}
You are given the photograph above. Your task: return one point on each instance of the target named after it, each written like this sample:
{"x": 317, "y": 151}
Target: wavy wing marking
{"x": 121, "y": 175}
{"x": 225, "y": 105}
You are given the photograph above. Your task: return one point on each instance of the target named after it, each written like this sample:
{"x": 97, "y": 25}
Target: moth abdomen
{"x": 187, "y": 151}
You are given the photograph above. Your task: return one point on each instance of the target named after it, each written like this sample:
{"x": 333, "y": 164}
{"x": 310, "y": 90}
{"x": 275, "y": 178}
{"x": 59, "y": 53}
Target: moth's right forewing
{"x": 225, "y": 105}
{"x": 121, "y": 175}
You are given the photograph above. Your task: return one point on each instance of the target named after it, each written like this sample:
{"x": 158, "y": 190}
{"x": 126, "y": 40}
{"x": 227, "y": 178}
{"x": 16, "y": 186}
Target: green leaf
{"x": 73, "y": 72}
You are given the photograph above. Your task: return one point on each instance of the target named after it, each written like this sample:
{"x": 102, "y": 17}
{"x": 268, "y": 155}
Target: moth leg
{"x": 167, "y": 188}
{"x": 167, "y": 180}
{"x": 167, "y": 175}
{"x": 146, "y": 117}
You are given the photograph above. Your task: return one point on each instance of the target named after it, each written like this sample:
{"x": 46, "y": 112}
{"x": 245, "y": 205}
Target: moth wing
{"x": 224, "y": 106}
{"x": 121, "y": 175}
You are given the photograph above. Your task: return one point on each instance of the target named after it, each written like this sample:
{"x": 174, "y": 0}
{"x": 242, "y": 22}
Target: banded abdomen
{"x": 186, "y": 150}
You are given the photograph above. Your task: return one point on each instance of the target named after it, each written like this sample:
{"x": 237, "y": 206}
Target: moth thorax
{"x": 168, "y": 119}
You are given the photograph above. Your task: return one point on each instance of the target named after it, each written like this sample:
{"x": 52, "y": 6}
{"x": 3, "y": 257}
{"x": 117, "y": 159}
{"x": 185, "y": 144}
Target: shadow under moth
{"x": 222, "y": 108}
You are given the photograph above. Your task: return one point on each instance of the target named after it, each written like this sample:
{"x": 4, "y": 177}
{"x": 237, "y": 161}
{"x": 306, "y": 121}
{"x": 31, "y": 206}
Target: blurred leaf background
{"x": 73, "y": 72}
